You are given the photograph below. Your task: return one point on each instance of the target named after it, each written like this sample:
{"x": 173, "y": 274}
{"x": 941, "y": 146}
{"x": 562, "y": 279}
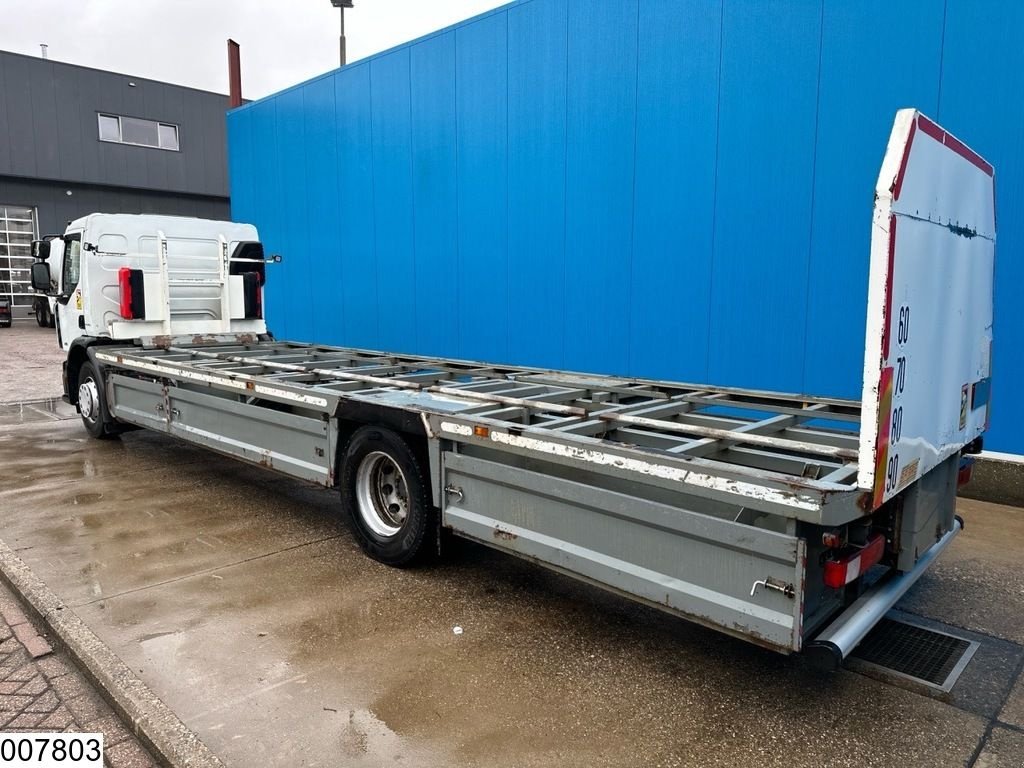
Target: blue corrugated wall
{"x": 668, "y": 188}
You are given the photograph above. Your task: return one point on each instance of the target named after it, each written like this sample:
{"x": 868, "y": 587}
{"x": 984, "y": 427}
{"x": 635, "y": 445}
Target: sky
{"x": 183, "y": 41}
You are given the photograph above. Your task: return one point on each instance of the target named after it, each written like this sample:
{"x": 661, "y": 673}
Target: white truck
{"x": 791, "y": 521}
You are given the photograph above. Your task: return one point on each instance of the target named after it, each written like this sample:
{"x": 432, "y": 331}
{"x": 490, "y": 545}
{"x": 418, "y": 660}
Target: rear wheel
{"x": 92, "y": 402}
{"x": 386, "y": 497}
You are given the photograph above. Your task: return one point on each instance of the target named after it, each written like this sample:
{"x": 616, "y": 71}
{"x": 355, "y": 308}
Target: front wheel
{"x": 386, "y": 497}
{"x": 41, "y": 315}
{"x": 92, "y": 402}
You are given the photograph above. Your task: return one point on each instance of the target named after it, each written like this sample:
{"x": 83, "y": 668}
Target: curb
{"x": 997, "y": 479}
{"x": 167, "y": 738}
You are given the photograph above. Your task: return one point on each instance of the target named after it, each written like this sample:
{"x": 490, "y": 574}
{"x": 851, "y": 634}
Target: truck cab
{"x": 123, "y": 278}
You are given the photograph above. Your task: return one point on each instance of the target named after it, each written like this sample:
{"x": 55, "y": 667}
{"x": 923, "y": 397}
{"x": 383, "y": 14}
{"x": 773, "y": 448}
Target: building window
{"x": 17, "y": 230}
{"x": 143, "y": 133}
{"x": 110, "y": 128}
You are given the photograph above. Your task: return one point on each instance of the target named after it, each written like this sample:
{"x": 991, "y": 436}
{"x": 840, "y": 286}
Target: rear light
{"x": 833, "y": 539}
{"x": 843, "y": 570}
{"x": 132, "y": 293}
{"x": 252, "y": 291}
{"x": 124, "y": 282}
{"x": 963, "y": 476}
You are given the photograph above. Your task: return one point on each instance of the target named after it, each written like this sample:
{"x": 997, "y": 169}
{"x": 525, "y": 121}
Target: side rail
{"x": 737, "y": 578}
{"x": 246, "y": 428}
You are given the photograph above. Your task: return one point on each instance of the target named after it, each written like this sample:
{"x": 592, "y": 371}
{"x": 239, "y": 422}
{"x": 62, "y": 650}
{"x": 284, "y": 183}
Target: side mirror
{"x": 41, "y": 275}
{"x": 40, "y": 249}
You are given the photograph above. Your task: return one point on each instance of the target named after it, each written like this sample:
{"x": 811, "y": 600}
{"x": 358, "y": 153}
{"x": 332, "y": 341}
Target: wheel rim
{"x": 88, "y": 400}
{"x": 382, "y": 494}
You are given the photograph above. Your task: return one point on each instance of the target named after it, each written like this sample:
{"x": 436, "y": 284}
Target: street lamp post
{"x": 342, "y": 5}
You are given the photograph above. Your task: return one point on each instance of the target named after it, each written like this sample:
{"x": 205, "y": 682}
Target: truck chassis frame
{"x": 708, "y": 502}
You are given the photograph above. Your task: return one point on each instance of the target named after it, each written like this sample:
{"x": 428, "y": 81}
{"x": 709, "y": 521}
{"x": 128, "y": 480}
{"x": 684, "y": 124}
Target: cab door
{"x": 70, "y": 302}
{"x": 54, "y": 260}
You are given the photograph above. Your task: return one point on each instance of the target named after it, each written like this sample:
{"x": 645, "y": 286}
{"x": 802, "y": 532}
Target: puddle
{"x": 29, "y": 411}
{"x": 85, "y": 498}
{"x": 364, "y": 734}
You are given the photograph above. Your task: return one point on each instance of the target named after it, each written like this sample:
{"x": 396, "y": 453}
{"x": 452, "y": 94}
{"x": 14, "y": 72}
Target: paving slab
{"x": 983, "y": 685}
{"x": 1013, "y": 710}
{"x": 1003, "y": 749}
{"x": 243, "y": 602}
{"x": 978, "y": 583}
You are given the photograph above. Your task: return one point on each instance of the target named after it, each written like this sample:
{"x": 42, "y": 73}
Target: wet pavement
{"x": 242, "y": 601}
{"x": 30, "y": 363}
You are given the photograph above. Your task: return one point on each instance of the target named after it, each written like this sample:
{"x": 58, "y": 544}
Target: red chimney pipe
{"x": 234, "y": 75}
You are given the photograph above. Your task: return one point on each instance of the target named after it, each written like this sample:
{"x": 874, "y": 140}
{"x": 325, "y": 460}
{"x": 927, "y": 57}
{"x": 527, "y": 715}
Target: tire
{"x": 92, "y": 403}
{"x": 42, "y": 313}
{"x": 386, "y": 498}
{"x": 51, "y": 319}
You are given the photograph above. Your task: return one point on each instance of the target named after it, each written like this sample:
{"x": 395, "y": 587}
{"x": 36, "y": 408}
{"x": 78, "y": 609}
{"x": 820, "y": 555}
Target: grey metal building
{"x": 76, "y": 140}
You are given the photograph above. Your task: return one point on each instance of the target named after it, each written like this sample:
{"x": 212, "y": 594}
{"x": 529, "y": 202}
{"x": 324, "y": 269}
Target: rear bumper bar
{"x": 840, "y": 637}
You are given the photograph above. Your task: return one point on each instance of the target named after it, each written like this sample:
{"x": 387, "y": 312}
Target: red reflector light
{"x": 963, "y": 476}
{"x": 840, "y": 572}
{"x": 124, "y": 282}
{"x": 132, "y": 293}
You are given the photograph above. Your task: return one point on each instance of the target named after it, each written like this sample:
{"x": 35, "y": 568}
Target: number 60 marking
{"x": 903, "y": 331}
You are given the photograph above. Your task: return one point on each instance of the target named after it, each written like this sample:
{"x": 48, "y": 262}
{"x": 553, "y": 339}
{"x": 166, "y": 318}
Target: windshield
{"x": 72, "y": 263}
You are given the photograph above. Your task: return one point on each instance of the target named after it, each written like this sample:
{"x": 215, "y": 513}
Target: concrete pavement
{"x": 30, "y": 362}
{"x": 242, "y": 601}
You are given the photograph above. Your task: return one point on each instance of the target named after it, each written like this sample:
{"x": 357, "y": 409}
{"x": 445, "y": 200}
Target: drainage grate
{"x": 926, "y": 656}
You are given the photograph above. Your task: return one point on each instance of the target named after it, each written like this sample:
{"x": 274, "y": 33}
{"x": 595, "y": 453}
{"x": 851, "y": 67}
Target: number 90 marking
{"x": 892, "y": 472}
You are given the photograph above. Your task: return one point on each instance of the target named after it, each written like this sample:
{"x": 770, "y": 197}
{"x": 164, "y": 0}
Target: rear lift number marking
{"x": 901, "y": 373}
{"x": 903, "y": 332}
{"x": 894, "y": 479}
